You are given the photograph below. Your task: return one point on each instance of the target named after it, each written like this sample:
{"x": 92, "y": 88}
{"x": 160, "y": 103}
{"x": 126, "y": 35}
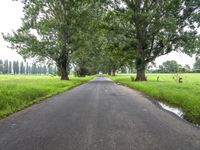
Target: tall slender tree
{"x": 44, "y": 69}
{"x": 17, "y": 67}
{"x": 34, "y": 68}
{"x": 22, "y": 68}
{"x": 10, "y": 67}
{"x": 27, "y": 68}
{"x": 1, "y": 66}
{"x": 14, "y": 67}
{"x": 6, "y": 67}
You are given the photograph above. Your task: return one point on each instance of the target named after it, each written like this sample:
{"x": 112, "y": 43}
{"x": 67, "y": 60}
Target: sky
{"x": 11, "y": 14}
{"x": 10, "y": 17}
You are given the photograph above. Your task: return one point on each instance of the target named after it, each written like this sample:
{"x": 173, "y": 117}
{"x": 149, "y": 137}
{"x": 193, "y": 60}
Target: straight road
{"x": 98, "y": 115}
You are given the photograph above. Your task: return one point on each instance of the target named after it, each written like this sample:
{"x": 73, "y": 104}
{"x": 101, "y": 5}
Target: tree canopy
{"x": 49, "y": 30}
{"x": 159, "y": 27}
{"x": 197, "y": 66}
{"x": 106, "y": 35}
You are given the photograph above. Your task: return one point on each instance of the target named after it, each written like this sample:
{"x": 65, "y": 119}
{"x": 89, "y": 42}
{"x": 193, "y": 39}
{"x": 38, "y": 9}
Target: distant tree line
{"x": 17, "y": 67}
{"x": 171, "y": 66}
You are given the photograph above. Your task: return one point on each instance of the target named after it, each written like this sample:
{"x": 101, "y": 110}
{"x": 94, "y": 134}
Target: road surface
{"x": 98, "y": 115}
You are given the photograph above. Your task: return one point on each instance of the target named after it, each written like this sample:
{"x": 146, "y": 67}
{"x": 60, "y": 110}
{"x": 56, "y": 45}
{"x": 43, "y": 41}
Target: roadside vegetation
{"x": 185, "y": 96}
{"x": 19, "y": 91}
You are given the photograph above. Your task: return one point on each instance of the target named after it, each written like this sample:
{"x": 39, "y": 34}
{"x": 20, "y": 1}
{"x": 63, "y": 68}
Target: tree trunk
{"x": 109, "y": 71}
{"x": 141, "y": 75}
{"x": 82, "y": 72}
{"x": 63, "y": 60}
{"x": 64, "y": 72}
{"x": 63, "y": 66}
{"x": 113, "y": 71}
{"x": 140, "y": 67}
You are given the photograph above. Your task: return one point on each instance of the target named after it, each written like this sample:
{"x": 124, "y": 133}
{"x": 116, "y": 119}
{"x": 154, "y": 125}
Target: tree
{"x": 27, "y": 68}
{"x": 5, "y": 67}
{"x": 159, "y": 27}
{"x": 10, "y": 67}
{"x": 1, "y": 66}
{"x": 50, "y": 70}
{"x": 161, "y": 69}
{"x": 187, "y": 69}
{"x": 86, "y": 58}
{"x": 44, "y": 70}
{"x": 116, "y": 42}
{"x": 48, "y": 31}
{"x": 22, "y": 68}
{"x": 34, "y": 68}
{"x": 39, "y": 69}
{"x": 196, "y": 67}
{"x": 171, "y": 66}
{"x": 15, "y": 67}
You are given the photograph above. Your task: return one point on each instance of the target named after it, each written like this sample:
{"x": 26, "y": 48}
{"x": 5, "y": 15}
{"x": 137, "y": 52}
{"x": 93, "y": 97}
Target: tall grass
{"x": 185, "y": 96}
{"x": 19, "y": 91}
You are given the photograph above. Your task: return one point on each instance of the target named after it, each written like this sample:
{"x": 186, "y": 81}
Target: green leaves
{"x": 106, "y": 32}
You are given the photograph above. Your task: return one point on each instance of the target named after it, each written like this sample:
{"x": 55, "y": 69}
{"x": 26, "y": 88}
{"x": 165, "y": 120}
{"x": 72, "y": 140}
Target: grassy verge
{"x": 185, "y": 96}
{"x": 20, "y": 91}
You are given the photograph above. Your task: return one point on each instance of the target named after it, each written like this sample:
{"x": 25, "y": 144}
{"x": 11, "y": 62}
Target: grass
{"x": 20, "y": 91}
{"x": 185, "y": 96}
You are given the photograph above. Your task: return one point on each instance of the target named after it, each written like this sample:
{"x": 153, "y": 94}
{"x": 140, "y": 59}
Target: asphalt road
{"x": 98, "y": 115}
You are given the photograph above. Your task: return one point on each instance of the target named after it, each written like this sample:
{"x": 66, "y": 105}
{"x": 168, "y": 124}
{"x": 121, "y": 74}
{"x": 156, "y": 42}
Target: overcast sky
{"x": 10, "y": 14}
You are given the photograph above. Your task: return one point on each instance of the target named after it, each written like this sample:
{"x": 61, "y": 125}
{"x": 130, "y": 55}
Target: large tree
{"x": 196, "y": 67}
{"x": 48, "y": 31}
{"x": 159, "y": 27}
{"x": 171, "y": 66}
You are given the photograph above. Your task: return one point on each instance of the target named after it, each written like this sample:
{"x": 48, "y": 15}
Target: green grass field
{"x": 19, "y": 91}
{"x": 185, "y": 96}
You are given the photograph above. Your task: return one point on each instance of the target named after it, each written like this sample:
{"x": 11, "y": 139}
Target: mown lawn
{"x": 19, "y": 91}
{"x": 185, "y": 96}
